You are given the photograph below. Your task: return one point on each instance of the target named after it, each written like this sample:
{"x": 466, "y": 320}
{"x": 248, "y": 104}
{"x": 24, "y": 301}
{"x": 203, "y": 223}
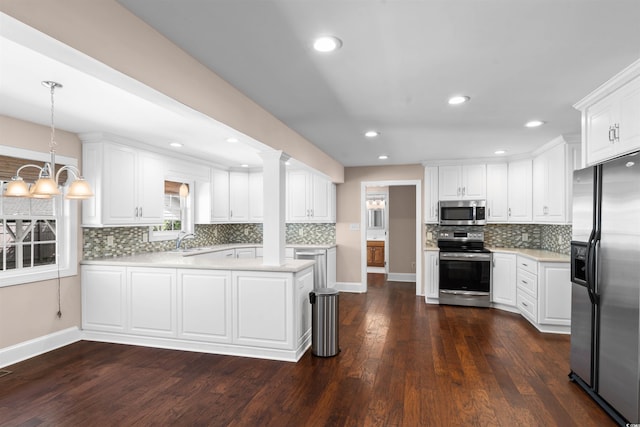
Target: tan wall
{"x": 402, "y": 229}
{"x": 29, "y": 311}
{"x": 348, "y": 212}
{"x": 108, "y": 32}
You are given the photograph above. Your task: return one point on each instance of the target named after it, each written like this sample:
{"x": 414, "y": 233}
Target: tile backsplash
{"x": 129, "y": 240}
{"x": 556, "y": 238}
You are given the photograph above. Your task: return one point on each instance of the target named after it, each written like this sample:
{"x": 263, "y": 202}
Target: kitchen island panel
{"x": 263, "y": 309}
{"x": 204, "y": 305}
{"x": 152, "y": 301}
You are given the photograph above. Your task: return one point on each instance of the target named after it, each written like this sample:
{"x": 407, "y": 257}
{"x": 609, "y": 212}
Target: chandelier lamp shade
{"x": 46, "y": 186}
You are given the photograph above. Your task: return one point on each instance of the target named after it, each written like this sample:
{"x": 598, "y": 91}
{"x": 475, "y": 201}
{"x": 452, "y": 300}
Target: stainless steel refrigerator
{"x": 605, "y": 272}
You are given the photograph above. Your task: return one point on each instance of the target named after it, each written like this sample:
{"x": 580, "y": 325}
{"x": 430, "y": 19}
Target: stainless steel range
{"x": 465, "y": 269}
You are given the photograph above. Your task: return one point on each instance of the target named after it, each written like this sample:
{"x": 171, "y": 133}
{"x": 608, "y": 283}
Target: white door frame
{"x": 363, "y": 227}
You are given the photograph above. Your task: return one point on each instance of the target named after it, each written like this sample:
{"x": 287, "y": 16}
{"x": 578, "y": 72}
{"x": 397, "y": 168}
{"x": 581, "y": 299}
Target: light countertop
{"x": 190, "y": 259}
{"x": 535, "y": 254}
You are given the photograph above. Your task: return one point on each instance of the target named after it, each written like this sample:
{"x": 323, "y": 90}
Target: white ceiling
{"x": 400, "y": 61}
{"x": 97, "y": 99}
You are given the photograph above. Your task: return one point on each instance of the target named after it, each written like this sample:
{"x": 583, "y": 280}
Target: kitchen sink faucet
{"x": 181, "y": 237}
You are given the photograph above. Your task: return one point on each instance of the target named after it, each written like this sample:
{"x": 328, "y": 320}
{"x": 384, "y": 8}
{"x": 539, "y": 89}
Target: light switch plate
{"x": 525, "y": 237}
{"x": 109, "y": 240}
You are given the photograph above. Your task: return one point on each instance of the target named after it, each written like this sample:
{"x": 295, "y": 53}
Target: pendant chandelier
{"x": 47, "y": 184}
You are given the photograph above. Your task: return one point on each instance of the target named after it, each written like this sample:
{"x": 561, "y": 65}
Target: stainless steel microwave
{"x": 463, "y": 212}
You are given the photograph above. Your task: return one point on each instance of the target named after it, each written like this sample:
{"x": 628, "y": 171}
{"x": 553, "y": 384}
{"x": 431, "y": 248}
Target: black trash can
{"x": 324, "y": 322}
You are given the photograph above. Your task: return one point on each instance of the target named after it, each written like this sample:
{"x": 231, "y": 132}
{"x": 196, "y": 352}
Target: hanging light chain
{"x": 52, "y": 86}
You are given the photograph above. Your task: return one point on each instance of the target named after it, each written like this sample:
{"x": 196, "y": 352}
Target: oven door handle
{"x": 464, "y": 257}
{"x": 465, "y": 293}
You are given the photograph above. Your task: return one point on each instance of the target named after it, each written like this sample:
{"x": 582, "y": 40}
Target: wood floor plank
{"x": 403, "y": 363}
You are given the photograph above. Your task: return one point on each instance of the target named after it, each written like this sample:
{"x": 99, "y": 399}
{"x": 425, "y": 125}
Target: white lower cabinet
{"x": 262, "y": 314}
{"x": 261, "y": 309}
{"x": 304, "y": 285}
{"x": 204, "y": 305}
{"x": 104, "y": 298}
{"x": 431, "y": 274}
{"x": 245, "y": 252}
{"x": 554, "y": 285}
{"x": 151, "y": 293}
{"x": 226, "y": 253}
{"x": 544, "y": 294}
{"x": 331, "y": 267}
{"x": 527, "y": 289}
{"x": 504, "y": 279}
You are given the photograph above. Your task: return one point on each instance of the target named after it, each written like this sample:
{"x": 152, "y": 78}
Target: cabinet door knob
{"x": 616, "y": 132}
{"x": 136, "y": 214}
{"x": 464, "y": 190}
{"x": 509, "y": 212}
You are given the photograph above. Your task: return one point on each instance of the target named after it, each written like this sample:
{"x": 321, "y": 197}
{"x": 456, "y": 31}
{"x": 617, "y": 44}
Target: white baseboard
{"x": 378, "y": 270}
{"x": 401, "y": 277}
{"x": 354, "y": 287}
{"x": 201, "y": 346}
{"x": 28, "y": 349}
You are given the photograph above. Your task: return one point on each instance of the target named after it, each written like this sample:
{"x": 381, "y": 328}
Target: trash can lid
{"x": 325, "y": 291}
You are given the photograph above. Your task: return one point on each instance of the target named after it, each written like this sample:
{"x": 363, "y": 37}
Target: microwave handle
{"x": 475, "y": 216}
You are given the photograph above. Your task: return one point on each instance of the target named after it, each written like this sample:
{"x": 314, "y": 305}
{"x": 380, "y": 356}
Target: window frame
{"x": 189, "y": 216}
{"x": 66, "y": 217}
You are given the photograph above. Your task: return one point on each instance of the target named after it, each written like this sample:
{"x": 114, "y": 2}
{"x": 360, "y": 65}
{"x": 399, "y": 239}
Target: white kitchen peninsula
{"x": 197, "y": 303}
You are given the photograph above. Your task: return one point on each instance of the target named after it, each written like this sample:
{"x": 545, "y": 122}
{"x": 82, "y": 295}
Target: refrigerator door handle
{"x": 590, "y": 267}
{"x": 592, "y": 257}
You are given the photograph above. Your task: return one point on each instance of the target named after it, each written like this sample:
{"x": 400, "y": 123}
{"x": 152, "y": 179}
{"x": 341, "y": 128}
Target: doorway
{"x": 415, "y": 186}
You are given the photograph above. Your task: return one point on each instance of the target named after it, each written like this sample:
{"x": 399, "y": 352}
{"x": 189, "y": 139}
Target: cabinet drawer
{"x": 528, "y": 306}
{"x": 528, "y": 283}
{"x": 527, "y": 264}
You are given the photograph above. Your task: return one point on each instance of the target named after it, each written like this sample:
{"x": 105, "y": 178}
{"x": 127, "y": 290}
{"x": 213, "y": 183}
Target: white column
{"x": 274, "y": 227}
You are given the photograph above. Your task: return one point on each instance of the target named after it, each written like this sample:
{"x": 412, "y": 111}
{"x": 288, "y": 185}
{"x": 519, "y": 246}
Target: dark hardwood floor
{"x": 403, "y": 363}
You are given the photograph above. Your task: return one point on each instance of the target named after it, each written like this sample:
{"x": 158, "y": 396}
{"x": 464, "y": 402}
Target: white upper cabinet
{"x": 552, "y": 181}
{"x": 128, "y": 185}
{"x": 497, "y": 192}
{"x": 219, "y": 195}
{"x": 256, "y": 197}
{"x": 238, "y": 196}
{"x": 431, "y": 195}
{"x": 519, "y": 191}
{"x": 462, "y": 182}
{"x": 310, "y": 197}
{"x": 611, "y": 117}
{"x": 232, "y": 197}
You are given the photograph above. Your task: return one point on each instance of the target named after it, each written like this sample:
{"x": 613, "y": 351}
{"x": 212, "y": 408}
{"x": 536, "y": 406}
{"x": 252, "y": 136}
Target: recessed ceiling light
{"x": 383, "y": 157}
{"x": 371, "y": 133}
{"x": 459, "y": 99}
{"x": 500, "y": 152}
{"x": 534, "y": 123}
{"x": 327, "y": 44}
{"x": 287, "y": 163}
{"x": 244, "y": 166}
{"x": 175, "y": 144}
{"x": 232, "y": 140}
